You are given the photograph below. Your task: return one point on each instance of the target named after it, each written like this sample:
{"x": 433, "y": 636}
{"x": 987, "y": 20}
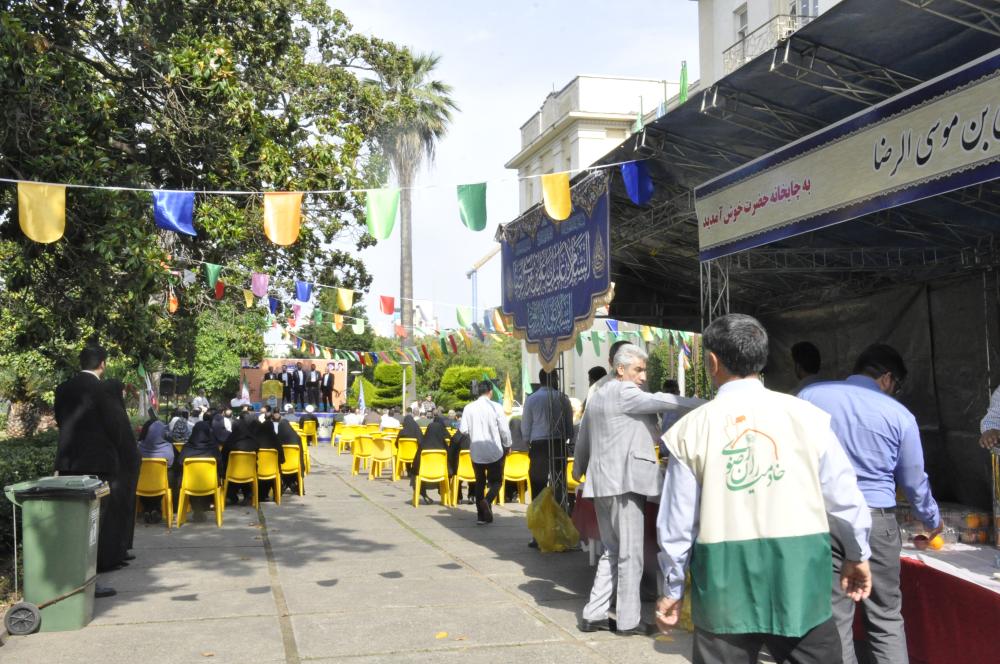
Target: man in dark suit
{"x": 299, "y": 377}
{"x": 87, "y": 445}
{"x": 312, "y": 385}
{"x": 286, "y": 385}
{"x": 326, "y": 389}
{"x": 270, "y": 374}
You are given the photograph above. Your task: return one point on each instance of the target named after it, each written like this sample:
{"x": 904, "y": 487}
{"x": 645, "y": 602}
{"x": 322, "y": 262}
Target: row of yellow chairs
{"x": 201, "y": 478}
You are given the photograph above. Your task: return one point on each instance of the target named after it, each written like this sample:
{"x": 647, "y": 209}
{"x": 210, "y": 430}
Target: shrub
{"x": 388, "y": 386}
{"x": 22, "y": 459}
{"x": 455, "y": 385}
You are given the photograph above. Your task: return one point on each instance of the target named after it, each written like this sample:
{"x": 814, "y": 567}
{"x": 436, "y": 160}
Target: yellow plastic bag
{"x": 549, "y": 523}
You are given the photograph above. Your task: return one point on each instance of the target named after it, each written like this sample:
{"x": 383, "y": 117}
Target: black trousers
{"x": 820, "y": 645}
{"x": 299, "y": 395}
{"x": 327, "y": 401}
{"x": 538, "y": 470}
{"x": 114, "y": 517}
{"x": 312, "y": 394}
{"x": 488, "y": 475}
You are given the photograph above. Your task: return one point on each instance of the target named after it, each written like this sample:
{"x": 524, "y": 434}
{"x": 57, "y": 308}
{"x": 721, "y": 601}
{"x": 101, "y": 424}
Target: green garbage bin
{"x": 60, "y": 524}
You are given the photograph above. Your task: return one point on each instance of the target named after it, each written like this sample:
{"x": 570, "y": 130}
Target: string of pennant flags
{"x": 42, "y": 205}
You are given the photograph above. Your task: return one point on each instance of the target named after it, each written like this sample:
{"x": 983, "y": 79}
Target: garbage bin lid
{"x": 63, "y": 486}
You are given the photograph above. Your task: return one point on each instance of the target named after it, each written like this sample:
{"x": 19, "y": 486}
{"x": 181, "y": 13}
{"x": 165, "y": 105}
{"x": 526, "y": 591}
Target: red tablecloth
{"x": 948, "y": 620}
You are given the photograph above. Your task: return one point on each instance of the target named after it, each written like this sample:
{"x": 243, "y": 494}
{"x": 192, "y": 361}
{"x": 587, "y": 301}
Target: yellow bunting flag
{"x": 555, "y": 193}
{"x": 498, "y": 321}
{"x": 282, "y": 215}
{"x": 338, "y": 322}
{"x": 508, "y": 398}
{"x": 41, "y": 210}
{"x": 467, "y": 339}
{"x": 646, "y": 333}
{"x": 248, "y": 297}
{"x": 345, "y": 299}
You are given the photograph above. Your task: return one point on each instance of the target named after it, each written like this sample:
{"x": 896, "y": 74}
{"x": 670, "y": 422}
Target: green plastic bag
{"x": 549, "y": 523}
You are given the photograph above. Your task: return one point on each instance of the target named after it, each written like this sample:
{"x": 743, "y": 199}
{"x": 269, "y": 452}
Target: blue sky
{"x": 503, "y": 58}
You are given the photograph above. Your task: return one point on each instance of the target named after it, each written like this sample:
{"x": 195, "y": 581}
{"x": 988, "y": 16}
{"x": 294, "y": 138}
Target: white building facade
{"x": 734, "y": 32}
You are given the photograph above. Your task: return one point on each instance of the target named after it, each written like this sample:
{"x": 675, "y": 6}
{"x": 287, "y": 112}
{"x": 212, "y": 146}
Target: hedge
{"x": 455, "y": 390}
{"x": 22, "y": 459}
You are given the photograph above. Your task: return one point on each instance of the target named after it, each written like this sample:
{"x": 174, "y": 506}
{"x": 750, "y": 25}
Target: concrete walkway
{"x": 351, "y": 571}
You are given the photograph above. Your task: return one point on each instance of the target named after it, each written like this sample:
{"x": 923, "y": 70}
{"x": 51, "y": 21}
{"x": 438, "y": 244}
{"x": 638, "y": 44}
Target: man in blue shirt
{"x": 882, "y": 440}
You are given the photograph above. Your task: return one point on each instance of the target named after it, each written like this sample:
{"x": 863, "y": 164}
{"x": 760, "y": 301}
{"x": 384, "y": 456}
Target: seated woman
{"x": 201, "y": 443}
{"x": 179, "y": 426}
{"x": 435, "y": 438}
{"x": 153, "y": 444}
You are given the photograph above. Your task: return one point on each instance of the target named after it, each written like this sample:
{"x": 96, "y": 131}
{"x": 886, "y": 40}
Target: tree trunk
{"x": 405, "y": 259}
{"x": 22, "y": 419}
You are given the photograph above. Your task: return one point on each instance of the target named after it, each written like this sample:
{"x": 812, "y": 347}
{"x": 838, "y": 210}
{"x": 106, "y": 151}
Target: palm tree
{"x": 407, "y": 143}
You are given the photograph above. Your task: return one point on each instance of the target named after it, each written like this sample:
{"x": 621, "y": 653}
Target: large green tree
{"x": 230, "y": 95}
{"x": 411, "y": 139}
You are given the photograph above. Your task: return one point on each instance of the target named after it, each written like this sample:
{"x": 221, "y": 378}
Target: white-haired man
{"x": 615, "y": 449}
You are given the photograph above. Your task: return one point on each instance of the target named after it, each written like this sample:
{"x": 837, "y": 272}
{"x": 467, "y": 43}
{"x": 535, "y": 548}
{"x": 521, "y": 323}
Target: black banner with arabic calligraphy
{"x": 555, "y": 273}
{"x": 940, "y": 136}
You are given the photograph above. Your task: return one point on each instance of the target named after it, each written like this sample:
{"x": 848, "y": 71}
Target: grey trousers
{"x": 882, "y": 611}
{"x": 620, "y": 520}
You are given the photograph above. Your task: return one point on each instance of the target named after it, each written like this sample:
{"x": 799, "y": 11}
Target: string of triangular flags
{"x": 41, "y": 206}
{"x": 647, "y": 333}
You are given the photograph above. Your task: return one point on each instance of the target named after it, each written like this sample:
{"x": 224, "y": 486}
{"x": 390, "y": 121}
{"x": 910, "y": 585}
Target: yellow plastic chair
{"x": 382, "y": 454}
{"x": 347, "y": 436}
{"x": 268, "y": 470}
{"x": 293, "y": 465}
{"x": 241, "y": 469}
{"x": 515, "y": 469}
{"x": 306, "y": 461}
{"x": 406, "y": 452}
{"x": 201, "y": 478}
{"x": 433, "y": 468}
{"x": 153, "y": 482}
{"x": 464, "y": 473}
{"x": 361, "y": 453}
{"x": 373, "y": 429}
{"x": 309, "y": 430}
{"x": 338, "y": 427}
{"x": 571, "y": 484}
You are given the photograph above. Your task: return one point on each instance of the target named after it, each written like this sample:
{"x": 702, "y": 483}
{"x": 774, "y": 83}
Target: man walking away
{"x": 882, "y": 441}
{"x": 752, "y": 479}
{"x": 484, "y": 422}
{"x": 615, "y": 449}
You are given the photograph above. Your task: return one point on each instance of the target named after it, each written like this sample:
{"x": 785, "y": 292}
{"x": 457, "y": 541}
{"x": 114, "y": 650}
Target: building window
{"x": 740, "y": 22}
{"x": 808, "y": 8}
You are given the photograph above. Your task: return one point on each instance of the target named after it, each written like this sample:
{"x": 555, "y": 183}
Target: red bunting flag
{"x": 454, "y": 346}
{"x": 423, "y": 349}
{"x": 387, "y": 304}
{"x": 220, "y": 289}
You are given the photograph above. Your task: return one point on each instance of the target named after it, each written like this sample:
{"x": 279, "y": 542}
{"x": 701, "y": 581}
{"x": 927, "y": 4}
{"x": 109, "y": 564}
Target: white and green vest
{"x": 761, "y": 559}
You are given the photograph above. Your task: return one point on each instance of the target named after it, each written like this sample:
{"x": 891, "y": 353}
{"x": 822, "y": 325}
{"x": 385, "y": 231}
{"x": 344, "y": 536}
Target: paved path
{"x": 349, "y": 572}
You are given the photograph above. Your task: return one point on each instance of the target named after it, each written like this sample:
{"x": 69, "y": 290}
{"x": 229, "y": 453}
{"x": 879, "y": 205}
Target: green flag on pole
{"x": 683, "y": 96}
{"x": 472, "y": 205}
{"x": 380, "y": 211}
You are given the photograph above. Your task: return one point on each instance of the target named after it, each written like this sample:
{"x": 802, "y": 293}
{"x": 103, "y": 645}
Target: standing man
{"x": 299, "y": 378}
{"x": 486, "y": 425}
{"x": 989, "y": 426}
{"x": 882, "y": 441}
{"x": 327, "y": 390}
{"x": 287, "y": 383}
{"x": 200, "y": 403}
{"x": 807, "y": 361}
{"x": 753, "y": 478}
{"x": 270, "y": 374}
{"x": 615, "y": 449}
{"x": 312, "y": 385}
{"x": 88, "y": 445}
{"x": 547, "y": 423}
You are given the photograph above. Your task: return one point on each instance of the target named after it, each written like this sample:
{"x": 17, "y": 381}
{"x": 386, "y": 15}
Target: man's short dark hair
{"x": 806, "y": 355}
{"x": 594, "y": 374}
{"x": 484, "y": 387}
{"x": 879, "y": 359}
{"x": 91, "y": 357}
{"x": 614, "y": 349}
{"x": 740, "y": 343}
{"x": 670, "y": 386}
{"x": 548, "y": 378}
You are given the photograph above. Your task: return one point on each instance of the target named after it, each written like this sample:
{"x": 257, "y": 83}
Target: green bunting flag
{"x": 579, "y": 344}
{"x": 464, "y": 316}
{"x": 212, "y": 273}
{"x": 595, "y": 339}
{"x": 358, "y": 327}
{"x": 525, "y": 381}
{"x": 472, "y": 205}
{"x": 318, "y": 315}
{"x": 683, "y": 96}
{"x": 380, "y": 211}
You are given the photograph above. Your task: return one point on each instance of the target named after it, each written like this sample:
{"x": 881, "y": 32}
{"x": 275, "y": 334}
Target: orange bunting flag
{"x": 555, "y": 193}
{"x": 282, "y": 216}
{"x": 172, "y": 302}
{"x": 467, "y": 339}
{"x": 338, "y": 322}
{"x": 41, "y": 210}
{"x": 400, "y": 331}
